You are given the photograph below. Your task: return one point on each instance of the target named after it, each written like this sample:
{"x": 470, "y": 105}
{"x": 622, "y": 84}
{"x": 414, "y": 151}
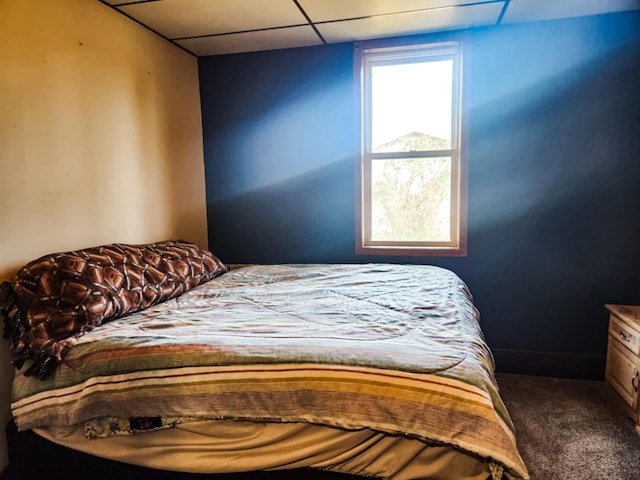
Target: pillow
{"x": 55, "y": 299}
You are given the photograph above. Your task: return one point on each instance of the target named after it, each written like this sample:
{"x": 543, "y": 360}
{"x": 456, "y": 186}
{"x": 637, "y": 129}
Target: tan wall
{"x": 100, "y": 137}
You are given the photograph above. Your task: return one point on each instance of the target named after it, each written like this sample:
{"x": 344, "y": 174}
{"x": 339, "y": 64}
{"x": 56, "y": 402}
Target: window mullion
{"x": 412, "y": 154}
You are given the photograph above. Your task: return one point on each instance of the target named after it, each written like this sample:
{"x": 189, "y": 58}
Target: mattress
{"x": 377, "y": 352}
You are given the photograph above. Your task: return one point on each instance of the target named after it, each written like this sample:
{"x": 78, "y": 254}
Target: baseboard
{"x": 550, "y": 364}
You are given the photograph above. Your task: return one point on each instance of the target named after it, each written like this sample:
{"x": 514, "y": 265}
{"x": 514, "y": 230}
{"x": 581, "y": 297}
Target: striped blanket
{"x": 396, "y": 349}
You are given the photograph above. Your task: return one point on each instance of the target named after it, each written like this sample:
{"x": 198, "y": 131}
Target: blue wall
{"x": 554, "y": 176}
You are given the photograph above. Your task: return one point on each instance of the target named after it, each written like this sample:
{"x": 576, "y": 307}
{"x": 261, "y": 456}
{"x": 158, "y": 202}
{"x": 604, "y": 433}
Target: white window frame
{"x": 370, "y": 53}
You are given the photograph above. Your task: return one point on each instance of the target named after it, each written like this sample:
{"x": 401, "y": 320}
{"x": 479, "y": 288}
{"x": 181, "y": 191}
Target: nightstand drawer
{"x": 622, "y": 372}
{"x": 627, "y": 336}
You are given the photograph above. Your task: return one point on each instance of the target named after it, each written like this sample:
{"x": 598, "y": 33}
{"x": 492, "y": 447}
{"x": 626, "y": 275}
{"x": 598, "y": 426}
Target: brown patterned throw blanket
{"x": 55, "y": 299}
{"x": 395, "y": 349}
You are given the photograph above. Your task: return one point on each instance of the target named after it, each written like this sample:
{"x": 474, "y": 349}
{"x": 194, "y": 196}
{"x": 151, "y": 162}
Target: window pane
{"x": 411, "y": 106}
{"x": 411, "y": 199}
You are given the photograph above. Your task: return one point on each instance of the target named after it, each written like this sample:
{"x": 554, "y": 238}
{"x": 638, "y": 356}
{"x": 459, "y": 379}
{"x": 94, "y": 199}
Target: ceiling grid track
{"x": 504, "y": 10}
{"x": 315, "y": 29}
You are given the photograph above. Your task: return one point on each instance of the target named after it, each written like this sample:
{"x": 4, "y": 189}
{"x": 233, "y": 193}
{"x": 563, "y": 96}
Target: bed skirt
{"x": 209, "y": 450}
{"x": 32, "y": 457}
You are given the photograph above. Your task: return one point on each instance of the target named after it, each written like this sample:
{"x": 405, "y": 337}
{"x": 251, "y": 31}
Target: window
{"x": 412, "y": 178}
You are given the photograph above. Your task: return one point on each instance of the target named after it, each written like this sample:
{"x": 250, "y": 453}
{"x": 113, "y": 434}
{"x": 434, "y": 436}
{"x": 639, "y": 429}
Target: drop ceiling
{"x": 217, "y": 27}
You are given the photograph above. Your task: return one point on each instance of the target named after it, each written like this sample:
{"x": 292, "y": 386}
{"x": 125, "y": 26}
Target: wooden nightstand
{"x": 623, "y": 359}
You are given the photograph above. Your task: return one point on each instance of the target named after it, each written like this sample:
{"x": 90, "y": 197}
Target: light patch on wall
{"x": 292, "y": 139}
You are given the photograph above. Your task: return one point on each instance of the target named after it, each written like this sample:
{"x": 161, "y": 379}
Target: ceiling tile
{"x": 289, "y": 37}
{"x": 533, "y": 10}
{"x": 116, "y": 2}
{"x": 120, "y": 2}
{"x": 327, "y": 10}
{"x": 191, "y": 18}
{"x": 440, "y": 19}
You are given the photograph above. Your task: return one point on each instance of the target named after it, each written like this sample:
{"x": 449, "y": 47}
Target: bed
{"x": 162, "y": 357}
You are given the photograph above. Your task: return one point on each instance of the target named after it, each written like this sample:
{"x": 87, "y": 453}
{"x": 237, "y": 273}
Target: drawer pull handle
{"x": 634, "y": 382}
{"x": 624, "y": 336}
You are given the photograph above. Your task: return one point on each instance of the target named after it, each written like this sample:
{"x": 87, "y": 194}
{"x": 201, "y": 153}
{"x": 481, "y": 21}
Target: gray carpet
{"x": 566, "y": 429}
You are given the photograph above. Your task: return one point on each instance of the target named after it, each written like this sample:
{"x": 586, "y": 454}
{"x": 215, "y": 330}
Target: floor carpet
{"x": 566, "y": 429}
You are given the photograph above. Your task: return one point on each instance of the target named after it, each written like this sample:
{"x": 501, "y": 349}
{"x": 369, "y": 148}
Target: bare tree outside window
{"x": 411, "y": 197}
